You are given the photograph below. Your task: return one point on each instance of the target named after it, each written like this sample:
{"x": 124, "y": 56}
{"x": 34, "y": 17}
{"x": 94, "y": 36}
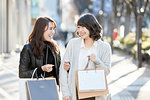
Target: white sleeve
{"x": 63, "y": 75}
{"x": 106, "y": 59}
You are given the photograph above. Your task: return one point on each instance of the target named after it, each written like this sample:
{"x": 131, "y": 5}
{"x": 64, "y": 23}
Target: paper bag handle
{"x": 86, "y": 67}
{"x": 33, "y": 73}
{"x": 87, "y": 64}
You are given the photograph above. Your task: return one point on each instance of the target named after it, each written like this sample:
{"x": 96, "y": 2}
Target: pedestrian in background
{"x": 115, "y": 34}
{"x": 41, "y": 52}
{"x": 79, "y": 50}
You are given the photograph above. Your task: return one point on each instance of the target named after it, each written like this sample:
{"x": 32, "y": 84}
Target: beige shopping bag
{"x": 91, "y": 83}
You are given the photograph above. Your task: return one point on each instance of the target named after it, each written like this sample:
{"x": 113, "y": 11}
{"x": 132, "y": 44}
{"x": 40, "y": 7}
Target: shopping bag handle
{"x": 86, "y": 67}
{"x": 34, "y": 73}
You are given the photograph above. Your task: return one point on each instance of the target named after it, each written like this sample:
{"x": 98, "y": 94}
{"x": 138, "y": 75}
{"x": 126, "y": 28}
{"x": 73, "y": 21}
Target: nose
{"x": 53, "y": 31}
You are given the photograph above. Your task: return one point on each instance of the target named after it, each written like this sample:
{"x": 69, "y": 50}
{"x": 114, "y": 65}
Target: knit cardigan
{"x": 67, "y": 80}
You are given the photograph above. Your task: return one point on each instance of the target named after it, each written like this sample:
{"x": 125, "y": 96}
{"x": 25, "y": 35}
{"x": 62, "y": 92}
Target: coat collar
{"x": 83, "y": 45}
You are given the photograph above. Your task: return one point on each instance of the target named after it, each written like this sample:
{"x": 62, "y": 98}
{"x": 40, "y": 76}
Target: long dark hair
{"x": 90, "y": 22}
{"x": 36, "y": 36}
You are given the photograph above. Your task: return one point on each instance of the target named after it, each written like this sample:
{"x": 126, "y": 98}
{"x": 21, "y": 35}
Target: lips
{"x": 50, "y": 37}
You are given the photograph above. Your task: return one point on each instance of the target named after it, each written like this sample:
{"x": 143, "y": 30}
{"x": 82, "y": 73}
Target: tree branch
{"x": 132, "y": 4}
{"x": 145, "y": 6}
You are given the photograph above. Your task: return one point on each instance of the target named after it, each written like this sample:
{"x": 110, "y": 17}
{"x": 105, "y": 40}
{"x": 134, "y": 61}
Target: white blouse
{"x": 84, "y": 53}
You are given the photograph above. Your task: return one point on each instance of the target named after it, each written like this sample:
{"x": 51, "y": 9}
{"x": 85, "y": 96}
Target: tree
{"x": 127, "y": 19}
{"x": 83, "y": 5}
{"x": 139, "y": 8}
{"x": 117, "y": 11}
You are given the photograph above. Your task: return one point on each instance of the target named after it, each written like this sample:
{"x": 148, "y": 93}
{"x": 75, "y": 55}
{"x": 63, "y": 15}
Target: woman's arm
{"x": 63, "y": 75}
{"x": 105, "y": 60}
{"x": 24, "y": 71}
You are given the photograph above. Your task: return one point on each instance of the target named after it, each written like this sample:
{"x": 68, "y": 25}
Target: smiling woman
{"x": 89, "y": 24}
{"x": 49, "y": 32}
{"x": 41, "y": 52}
{"x": 88, "y": 48}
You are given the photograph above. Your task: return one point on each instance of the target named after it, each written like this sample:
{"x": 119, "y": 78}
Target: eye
{"x": 79, "y": 27}
{"x": 51, "y": 28}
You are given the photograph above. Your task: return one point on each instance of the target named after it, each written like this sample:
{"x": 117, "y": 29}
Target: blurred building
{"x": 69, "y": 16}
{"x": 50, "y": 8}
{"x": 15, "y": 22}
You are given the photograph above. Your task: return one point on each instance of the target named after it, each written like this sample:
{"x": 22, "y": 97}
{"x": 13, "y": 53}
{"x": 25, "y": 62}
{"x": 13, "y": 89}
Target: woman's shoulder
{"x": 74, "y": 40}
{"x": 103, "y": 43}
{"x": 27, "y": 46}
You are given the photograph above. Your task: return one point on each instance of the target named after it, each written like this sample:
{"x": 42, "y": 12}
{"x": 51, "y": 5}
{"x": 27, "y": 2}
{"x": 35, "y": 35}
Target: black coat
{"x": 28, "y": 62}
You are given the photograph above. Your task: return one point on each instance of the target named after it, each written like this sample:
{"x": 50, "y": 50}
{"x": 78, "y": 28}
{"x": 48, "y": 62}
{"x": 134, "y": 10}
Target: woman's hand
{"x": 47, "y": 67}
{"x": 92, "y": 57}
{"x": 67, "y": 98}
{"x": 66, "y": 66}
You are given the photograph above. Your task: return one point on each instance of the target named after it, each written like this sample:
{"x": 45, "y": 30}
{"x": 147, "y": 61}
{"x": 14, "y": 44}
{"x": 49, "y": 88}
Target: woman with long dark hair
{"x": 41, "y": 52}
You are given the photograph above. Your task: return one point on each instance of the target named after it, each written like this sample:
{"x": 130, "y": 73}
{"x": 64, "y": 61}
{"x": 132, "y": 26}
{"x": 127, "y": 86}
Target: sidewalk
{"x": 126, "y": 82}
{"x": 9, "y": 81}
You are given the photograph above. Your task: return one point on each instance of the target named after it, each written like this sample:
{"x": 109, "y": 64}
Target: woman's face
{"x": 83, "y": 32}
{"x": 49, "y": 32}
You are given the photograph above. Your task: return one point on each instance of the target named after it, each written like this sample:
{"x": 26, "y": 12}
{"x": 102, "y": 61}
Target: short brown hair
{"x": 90, "y": 22}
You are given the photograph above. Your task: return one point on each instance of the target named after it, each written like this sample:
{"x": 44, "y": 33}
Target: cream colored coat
{"x": 67, "y": 80}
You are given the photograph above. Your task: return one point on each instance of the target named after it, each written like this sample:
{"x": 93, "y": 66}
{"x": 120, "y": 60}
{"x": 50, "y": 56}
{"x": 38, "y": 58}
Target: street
{"x": 9, "y": 81}
{"x": 124, "y": 24}
{"x": 126, "y": 82}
